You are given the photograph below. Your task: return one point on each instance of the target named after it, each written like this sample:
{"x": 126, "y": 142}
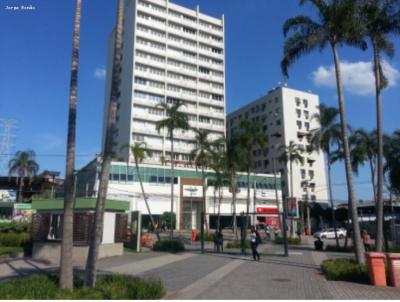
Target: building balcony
{"x": 149, "y": 75}
{"x": 152, "y": 23}
{"x": 150, "y": 49}
{"x": 179, "y": 69}
{"x": 211, "y": 42}
{"x": 181, "y": 33}
{"x": 211, "y": 54}
{"x": 146, "y": 116}
{"x": 149, "y": 89}
{"x": 182, "y": 83}
{"x": 182, "y": 21}
{"x": 181, "y": 57}
{"x": 150, "y": 62}
{"x": 182, "y": 45}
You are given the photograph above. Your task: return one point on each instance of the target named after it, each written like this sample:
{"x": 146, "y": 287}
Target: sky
{"x": 35, "y": 53}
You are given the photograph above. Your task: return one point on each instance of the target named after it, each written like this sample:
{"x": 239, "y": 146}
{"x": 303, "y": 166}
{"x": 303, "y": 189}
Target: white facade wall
{"x": 277, "y": 113}
{"x": 169, "y": 53}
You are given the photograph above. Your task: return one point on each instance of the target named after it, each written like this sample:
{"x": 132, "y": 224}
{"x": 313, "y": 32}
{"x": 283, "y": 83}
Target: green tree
{"x": 249, "y": 137}
{"x": 293, "y": 153}
{"x": 107, "y": 156}
{"x": 66, "y": 262}
{"x": 23, "y": 165}
{"x": 139, "y": 152}
{"x": 337, "y": 25}
{"x": 324, "y": 138}
{"x": 200, "y": 155}
{"x": 379, "y": 19}
{"x": 392, "y": 166}
{"x": 218, "y": 164}
{"x": 175, "y": 119}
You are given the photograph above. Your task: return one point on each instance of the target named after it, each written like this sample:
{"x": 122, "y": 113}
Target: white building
{"x": 169, "y": 53}
{"x": 285, "y": 115}
{"x": 188, "y": 199}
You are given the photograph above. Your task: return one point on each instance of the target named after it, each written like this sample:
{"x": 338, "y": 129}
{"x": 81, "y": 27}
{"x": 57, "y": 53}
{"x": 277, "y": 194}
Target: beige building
{"x": 285, "y": 115}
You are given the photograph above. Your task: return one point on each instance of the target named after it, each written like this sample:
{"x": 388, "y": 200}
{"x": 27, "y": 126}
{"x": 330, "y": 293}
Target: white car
{"x": 330, "y": 233}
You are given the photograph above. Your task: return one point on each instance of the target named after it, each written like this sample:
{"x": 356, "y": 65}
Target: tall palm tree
{"x": 379, "y": 19}
{"x": 323, "y": 138}
{"x": 175, "y": 119}
{"x": 23, "y": 165}
{"x": 97, "y": 230}
{"x": 218, "y": 164}
{"x": 66, "y": 264}
{"x": 337, "y": 25}
{"x": 200, "y": 155}
{"x": 291, "y": 154}
{"x": 249, "y": 136}
{"x": 139, "y": 152}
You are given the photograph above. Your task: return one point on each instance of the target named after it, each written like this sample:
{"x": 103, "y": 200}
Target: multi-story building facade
{"x": 170, "y": 53}
{"x": 285, "y": 115}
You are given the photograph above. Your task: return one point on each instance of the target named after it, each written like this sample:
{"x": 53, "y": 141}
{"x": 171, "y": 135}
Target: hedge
{"x": 236, "y": 244}
{"x": 108, "y": 287}
{"x": 10, "y": 250}
{"x": 207, "y": 237}
{"x": 294, "y": 241}
{"x": 14, "y": 239}
{"x": 172, "y": 246}
{"x": 345, "y": 270}
{"x": 14, "y": 227}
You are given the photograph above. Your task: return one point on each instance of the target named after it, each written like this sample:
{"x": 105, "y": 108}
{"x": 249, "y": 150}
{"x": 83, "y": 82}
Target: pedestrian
{"x": 163, "y": 227}
{"x": 255, "y": 240}
{"x": 366, "y": 240}
{"x": 219, "y": 241}
{"x": 267, "y": 231}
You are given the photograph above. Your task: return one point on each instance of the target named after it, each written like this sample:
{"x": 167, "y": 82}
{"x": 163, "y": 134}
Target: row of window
{"x": 298, "y": 102}
{"x": 179, "y": 15}
{"x": 306, "y": 114}
{"x": 300, "y": 125}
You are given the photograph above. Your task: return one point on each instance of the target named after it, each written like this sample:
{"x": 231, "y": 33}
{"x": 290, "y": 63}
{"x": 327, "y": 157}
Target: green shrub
{"x": 107, "y": 287}
{"x": 345, "y": 270}
{"x": 14, "y": 239}
{"x": 342, "y": 249}
{"x": 172, "y": 246}
{"x": 10, "y": 250}
{"x": 294, "y": 241}
{"x": 236, "y": 244}
{"x": 15, "y": 227}
{"x": 394, "y": 249}
{"x": 207, "y": 237}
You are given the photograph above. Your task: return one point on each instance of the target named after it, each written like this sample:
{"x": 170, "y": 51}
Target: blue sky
{"x": 36, "y": 48}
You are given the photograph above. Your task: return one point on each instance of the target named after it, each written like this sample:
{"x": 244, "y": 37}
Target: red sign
{"x": 267, "y": 211}
{"x": 273, "y": 221}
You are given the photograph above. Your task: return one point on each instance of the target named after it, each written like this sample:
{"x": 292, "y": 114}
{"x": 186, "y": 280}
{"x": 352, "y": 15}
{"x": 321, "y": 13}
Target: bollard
{"x": 376, "y": 268}
{"x": 394, "y": 268}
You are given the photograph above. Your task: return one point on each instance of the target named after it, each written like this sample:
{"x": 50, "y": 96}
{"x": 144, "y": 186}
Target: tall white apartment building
{"x": 170, "y": 53}
{"x": 285, "y": 115}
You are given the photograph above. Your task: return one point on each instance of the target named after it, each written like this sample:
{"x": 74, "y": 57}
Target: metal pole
{"x": 254, "y": 203}
{"x": 202, "y": 232}
{"x": 285, "y": 240}
{"x": 308, "y": 212}
{"x": 242, "y": 233}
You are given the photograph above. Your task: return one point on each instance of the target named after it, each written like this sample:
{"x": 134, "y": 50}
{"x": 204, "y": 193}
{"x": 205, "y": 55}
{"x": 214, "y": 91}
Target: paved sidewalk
{"x": 192, "y": 275}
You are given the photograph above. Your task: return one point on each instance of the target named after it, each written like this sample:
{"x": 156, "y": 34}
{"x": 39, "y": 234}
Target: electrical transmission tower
{"x": 7, "y": 142}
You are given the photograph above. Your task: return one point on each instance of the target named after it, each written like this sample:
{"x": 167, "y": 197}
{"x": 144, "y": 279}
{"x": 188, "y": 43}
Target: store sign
{"x": 267, "y": 211}
{"x": 291, "y": 207}
{"x": 192, "y": 191}
{"x": 23, "y": 206}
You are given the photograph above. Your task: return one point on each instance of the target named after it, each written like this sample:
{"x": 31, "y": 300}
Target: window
{"x": 278, "y": 122}
{"x": 263, "y": 106}
{"x": 189, "y": 30}
{"x": 307, "y": 126}
{"x": 298, "y": 112}
{"x": 204, "y": 70}
{"x": 306, "y": 114}
{"x": 216, "y": 50}
{"x": 305, "y": 103}
{"x": 217, "y": 97}
{"x": 298, "y": 125}
{"x": 140, "y": 81}
{"x": 297, "y": 101}
{"x": 303, "y": 173}
{"x": 311, "y": 174}
{"x": 137, "y": 137}
{"x": 203, "y": 119}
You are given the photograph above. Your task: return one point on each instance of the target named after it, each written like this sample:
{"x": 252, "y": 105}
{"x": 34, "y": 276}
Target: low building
{"x": 265, "y": 197}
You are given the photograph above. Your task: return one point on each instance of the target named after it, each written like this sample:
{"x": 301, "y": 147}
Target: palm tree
{"x": 97, "y": 230}
{"x": 200, "y": 155}
{"x": 139, "y": 153}
{"x": 291, "y": 154}
{"x": 249, "y": 136}
{"x": 66, "y": 264}
{"x": 218, "y": 164}
{"x": 23, "y": 165}
{"x": 337, "y": 25}
{"x": 175, "y": 120}
{"x": 379, "y": 20}
{"x": 323, "y": 138}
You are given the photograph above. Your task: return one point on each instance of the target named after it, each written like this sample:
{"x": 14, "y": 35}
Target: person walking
{"x": 255, "y": 241}
{"x": 366, "y": 240}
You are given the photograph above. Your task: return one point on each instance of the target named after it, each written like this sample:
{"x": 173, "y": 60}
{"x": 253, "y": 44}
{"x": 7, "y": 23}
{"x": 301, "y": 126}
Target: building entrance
{"x": 191, "y": 214}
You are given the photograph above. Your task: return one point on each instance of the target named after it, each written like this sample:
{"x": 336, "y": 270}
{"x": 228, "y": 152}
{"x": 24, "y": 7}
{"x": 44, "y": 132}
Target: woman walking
{"x": 255, "y": 240}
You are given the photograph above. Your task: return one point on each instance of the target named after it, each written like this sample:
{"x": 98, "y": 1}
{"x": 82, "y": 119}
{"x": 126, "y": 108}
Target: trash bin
{"x": 394, "y": 268}
{"x": 376, "y": 268}
{"x": 194, "y": 235}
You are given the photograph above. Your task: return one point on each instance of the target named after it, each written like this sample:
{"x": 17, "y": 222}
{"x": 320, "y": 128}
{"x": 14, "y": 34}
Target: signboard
{"x": 291, "y": 207}
{"x": 136, "y": 226}
{"x": 23, "y": 206}
{"x": 192, "y": 191}
{"x": 274, "y": 222}
{"x": 267, "y": 211}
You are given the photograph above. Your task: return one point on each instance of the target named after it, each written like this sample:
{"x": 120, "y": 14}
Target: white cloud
{"x": 100, "y": 73}
{"x": 357, "y": 77}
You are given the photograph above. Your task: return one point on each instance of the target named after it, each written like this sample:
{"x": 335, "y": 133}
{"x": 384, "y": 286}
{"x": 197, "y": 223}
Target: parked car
{"x": 330, "y": 233}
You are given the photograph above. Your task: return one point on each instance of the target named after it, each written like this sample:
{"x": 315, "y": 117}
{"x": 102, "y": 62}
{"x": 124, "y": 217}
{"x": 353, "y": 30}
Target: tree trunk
{"x": 171, "y": 234}
{"x": 291, "y": 194}
{"x": 233, "y": 182}
{"x": 331, "y": 199}
{"x": 21, "y": 190}
{"x": 248, "y": 200}
{"x": 66, "y": 256}
{"x": 219, "y": 209}
{"x": 203, "y": 178}
{"x": 359, "y": 247}
{"x": 379, "y": 166}
{"x": 146, "y": 201}
{"x": 372, "y": 169}
{"x": 97, "y": 229}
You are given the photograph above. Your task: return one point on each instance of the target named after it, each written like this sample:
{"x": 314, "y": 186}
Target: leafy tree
{"x": 175, "y": 119}
{"x": 249, "y": 136}
{"x": 337, "y": 25}
{"x": 379, "y": 19}
{"x": 139, "y": 153}
{"x": 23, "y": 165}
{"x": 324, "y": 138}
{"x": 107, "y": 156}
{"x": 66, "y": 264}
